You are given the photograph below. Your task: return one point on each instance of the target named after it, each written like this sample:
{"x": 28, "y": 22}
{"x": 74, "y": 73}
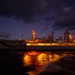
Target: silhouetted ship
{"x": 50, "y": 43}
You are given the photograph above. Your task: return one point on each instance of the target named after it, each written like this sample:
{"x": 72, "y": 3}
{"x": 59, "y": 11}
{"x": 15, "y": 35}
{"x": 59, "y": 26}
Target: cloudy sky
{"x": 19, "y": 17}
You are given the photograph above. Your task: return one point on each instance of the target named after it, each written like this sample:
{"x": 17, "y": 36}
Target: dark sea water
{"x": 31, "y": 63}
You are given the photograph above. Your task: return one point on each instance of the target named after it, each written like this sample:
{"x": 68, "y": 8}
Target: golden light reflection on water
{"x": 40, "y": 58}
{"x": 26, "y": 59}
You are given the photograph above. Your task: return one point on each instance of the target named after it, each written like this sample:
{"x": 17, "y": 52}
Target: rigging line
{"x": 10, "y": 33}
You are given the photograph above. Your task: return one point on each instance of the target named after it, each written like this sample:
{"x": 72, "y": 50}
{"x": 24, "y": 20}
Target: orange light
{"x": 33, "y": 53}
{"x": 49, "y": 44}
{"x": 26, "y": 59}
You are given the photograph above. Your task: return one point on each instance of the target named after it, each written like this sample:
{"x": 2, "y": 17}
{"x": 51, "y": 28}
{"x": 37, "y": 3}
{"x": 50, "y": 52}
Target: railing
{"x": 10, "y": 44}
{"x": 22, "y": 45}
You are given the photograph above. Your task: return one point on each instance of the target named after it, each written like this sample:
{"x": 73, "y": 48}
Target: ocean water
{"x": 37, "y": 63}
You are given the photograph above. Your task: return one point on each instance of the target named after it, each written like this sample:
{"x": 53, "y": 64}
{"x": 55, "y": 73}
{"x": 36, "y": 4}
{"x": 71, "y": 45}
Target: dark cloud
{"x": 62, "y": 12}
{"x": 22, "y": 9}
{"x": 65, "y": 21}
{"x": 15, "y": 7}
{"x": 66, "y": 17}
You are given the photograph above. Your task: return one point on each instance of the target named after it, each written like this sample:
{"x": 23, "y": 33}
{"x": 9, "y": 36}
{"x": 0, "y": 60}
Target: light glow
{"x": 50, "y": 44}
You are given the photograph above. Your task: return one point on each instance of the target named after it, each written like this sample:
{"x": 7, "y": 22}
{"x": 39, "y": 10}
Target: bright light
{"x": 50, "y": 44}
{"x": 26, "y": 59}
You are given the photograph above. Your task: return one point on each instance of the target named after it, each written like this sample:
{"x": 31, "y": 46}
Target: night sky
{"x": 19, "y": 17}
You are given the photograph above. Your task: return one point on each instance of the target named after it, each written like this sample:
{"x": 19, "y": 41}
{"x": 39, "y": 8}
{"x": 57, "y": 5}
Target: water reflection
{"x": 39, "y": 59}
{"x": 22, "y": 63}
